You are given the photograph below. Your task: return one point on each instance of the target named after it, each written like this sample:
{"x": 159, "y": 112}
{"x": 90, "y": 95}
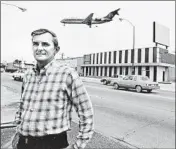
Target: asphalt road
{"x": 143, "y": 120}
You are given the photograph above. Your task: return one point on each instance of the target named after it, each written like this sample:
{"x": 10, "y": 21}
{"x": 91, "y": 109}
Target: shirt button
{"x": 31, "y": 110}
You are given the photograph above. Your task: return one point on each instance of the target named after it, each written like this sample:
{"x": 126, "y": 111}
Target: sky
{"x": 77, "y": 40}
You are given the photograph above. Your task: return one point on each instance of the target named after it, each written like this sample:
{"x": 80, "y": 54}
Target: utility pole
{"x": 62, "y": 55}
{"x": 121, "y": 19}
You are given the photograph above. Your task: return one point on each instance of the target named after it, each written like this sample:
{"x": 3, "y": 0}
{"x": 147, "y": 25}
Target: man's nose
{"x": 40, "y": 46}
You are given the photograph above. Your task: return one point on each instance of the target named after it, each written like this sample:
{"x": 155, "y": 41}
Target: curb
{"x": 119, "y": 141}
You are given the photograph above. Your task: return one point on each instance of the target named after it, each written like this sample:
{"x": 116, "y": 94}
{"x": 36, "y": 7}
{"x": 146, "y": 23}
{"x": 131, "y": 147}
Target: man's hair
{"x": 43, "y": 31}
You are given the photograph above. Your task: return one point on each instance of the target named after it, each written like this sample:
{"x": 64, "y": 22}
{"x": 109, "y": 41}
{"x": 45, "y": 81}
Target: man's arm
{"x": 84, "y": 109}
{"x": 19, "y": 111}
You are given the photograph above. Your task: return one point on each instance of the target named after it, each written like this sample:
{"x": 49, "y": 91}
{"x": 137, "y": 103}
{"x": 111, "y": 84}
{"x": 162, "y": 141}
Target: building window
{"x": 146, "y": 55}
{"x": 110, "y": 71}
{"x": 101, "y": 71}
{"x": 86, "y": 71}
{"x": 105, "y": 55}
{"x": 126, "y": 56}
{"x": 139, "y": 70}
{"x": 105, "y": 71}
{"x": 115, "y": 56}
{"x": 97, "y": 69}
{"x": 90, "y": 71}
{"x": 126, "y": 70}
{"x": 109, "y": 57}
{"x": 133, "y": 70}
{"x": 139, "y": 55}
{"x": 83, "y": 71}
{"x": 97, "y": 57}
{"x": 120, "y": 70}
{"x": 154, "y": 54}
{"x": 93, "y": 58}
{"x": 120, "y": 56}
{"x": 101, "y": 57}
{"x": 132, "y": 56}
{"x": 147, "y": 71}
{"x": 93, "y": 71}
{"x": 154, "y": 73}
{"x": 115, "y": 70}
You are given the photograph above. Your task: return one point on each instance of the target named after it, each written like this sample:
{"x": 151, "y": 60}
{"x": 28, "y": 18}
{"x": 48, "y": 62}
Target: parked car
{"x": 107, "y": 80}
{"x": 18, "y": 75}
{"x": 137, "y": 82}
{"x": 2, "y": 69}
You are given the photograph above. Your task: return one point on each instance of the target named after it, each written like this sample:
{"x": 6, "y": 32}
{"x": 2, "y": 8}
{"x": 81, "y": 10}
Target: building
{"x": 154, "y": 62}
{"x": 75, "y": 62}
{"x": 12, "y": 67}
{"x": 3, "y": 66}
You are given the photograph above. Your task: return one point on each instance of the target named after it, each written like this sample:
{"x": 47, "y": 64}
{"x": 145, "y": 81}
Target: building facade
{"x": 75, "y": 62}
{"x": 154, "y": 62}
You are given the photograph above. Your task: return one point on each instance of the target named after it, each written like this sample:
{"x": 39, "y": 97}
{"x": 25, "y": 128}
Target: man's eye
{"x": 35, "y": 44}
{"x": 45, "y": 44}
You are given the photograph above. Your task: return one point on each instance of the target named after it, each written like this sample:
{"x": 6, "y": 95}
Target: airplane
{"x": 89, "y": 20}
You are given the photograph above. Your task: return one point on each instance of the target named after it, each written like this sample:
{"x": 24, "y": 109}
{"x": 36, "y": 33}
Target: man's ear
{"x": 57, "y": 50}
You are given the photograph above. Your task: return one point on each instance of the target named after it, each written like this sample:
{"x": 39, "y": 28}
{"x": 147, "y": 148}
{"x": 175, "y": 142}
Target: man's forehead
{"x": 43, "y": 37}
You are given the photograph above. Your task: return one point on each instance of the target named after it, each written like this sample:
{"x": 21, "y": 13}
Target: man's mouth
{"x": 41, "y": 53}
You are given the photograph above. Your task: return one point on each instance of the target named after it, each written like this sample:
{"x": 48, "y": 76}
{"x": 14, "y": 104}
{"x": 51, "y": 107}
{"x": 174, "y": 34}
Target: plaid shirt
{"x": 47, "y": 100}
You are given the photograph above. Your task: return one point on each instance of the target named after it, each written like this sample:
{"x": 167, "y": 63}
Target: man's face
{"x": 43, "y": 47}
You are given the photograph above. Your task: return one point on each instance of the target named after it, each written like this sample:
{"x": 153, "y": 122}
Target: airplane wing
{"x": 88, "y": 20}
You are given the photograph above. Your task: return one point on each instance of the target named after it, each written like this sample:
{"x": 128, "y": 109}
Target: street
{"x": 142, "y": 120}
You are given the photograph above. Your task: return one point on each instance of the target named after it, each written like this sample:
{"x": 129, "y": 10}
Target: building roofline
{"x": 69, "y": 58}
{"x": 129, "y": 49}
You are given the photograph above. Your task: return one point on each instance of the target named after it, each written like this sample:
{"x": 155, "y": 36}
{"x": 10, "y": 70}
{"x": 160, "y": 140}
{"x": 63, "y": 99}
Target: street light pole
{"x": 22, "y": 9}
{"x": 121, "y": 19}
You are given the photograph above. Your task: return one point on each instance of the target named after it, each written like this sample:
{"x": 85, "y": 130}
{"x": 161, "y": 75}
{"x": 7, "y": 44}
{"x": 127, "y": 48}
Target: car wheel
{"x": 138, "y": 89}
{"x": 149, "y": 91}
{"x": 116, "y": 86}
{"x": 104, "y": 82}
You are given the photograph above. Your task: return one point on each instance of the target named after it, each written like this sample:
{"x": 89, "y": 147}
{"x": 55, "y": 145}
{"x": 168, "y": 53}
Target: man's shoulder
{"x": 28, "y": 71}
{"x": 66, "y": 68}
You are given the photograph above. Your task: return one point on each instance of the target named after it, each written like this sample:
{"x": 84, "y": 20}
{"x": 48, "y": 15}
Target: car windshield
{"x": 144, "y": 78}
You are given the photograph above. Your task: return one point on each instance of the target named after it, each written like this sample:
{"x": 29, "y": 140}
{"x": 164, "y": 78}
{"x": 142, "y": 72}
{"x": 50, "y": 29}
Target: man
{"x": 49, "y": 91}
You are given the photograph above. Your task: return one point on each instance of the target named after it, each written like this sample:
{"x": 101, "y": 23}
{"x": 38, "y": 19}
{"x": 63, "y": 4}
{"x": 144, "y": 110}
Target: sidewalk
{"x": 98, "y": 141}
{"x": 10, "y": 101}
{"x": 167, "y": 87}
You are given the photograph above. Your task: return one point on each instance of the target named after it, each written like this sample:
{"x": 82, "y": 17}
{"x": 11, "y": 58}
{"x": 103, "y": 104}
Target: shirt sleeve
{"x": 84, "y": 109}
{"x": 19, "y": 110}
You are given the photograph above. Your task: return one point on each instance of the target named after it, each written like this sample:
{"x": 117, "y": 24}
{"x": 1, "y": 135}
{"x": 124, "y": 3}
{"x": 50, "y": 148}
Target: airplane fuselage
{"x": 72, "y": 21}
{"x": 80, "y": 21}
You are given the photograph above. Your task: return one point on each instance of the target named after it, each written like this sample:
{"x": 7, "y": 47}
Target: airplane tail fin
{"x": 112, "y": 14}
{"x": 88, "y": 20}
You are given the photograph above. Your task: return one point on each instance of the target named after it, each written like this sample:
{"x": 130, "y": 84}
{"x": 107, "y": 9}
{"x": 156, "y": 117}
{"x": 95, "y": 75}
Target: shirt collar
{"x": 44, "y": 70}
